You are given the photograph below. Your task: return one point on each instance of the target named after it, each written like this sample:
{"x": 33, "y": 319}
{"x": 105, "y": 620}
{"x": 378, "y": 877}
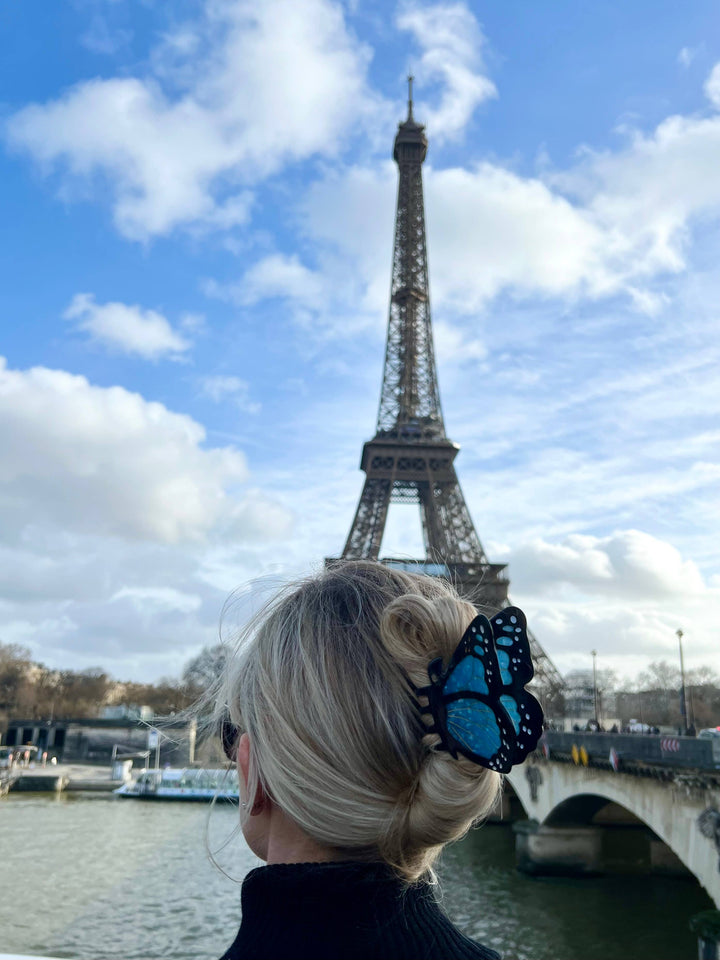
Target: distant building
{"x": 579, "y": 696}
{"x": 121, "y": 711}
{"x": 97, "y": 739}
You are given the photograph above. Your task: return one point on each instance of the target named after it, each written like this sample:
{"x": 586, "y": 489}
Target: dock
{"x": 58, "y": 779}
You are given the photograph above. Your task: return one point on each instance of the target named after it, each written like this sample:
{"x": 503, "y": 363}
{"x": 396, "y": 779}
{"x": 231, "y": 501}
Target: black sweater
{"x": 344, "y": 911}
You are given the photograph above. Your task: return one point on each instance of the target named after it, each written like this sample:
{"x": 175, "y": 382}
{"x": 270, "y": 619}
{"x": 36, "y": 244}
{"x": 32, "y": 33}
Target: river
{"x": 94, "y": 877}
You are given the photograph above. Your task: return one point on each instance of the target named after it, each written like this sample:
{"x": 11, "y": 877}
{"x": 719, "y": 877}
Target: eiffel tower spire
{"x": 410, "y": 400}
{"x": 410, "y": 459}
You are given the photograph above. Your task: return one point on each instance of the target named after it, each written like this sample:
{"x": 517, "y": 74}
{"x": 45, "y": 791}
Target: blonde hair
{"x": 323, "y": 686}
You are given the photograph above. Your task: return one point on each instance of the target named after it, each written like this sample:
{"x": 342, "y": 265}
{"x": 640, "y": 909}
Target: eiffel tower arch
{"x": 410, "y": 459}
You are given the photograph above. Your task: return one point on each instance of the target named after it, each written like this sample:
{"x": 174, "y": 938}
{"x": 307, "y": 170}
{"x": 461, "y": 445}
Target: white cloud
{"x": 158, "y": 599}
{"x": 712, "y": 86}
{"x": 451, "y": 43}
{"x": 492, "y": 230}
{"x": 138, "y": 608}
{"x": 127, "y": 328}
{"x": 224, "y": 104}
{"x": 627, "y": 562}
{"x": 626, "y": 636}
{"x": 623, "y": 595}
{"x": 110, "y": 509}
{"x": 276, "y": 275}
{"x": 102, "y": 39}
{"x": 220, "y": 388}
{"x": 26, "y": 632}
{"x": 686, "y": 56}
{"x": 646, "y": 197}
{"x": 451, "y": 345}
{"x": 262, "y": 517}
{"x": 193, "y": 322}
{"x": 104, "y": 460}
{"x": 333, "y": 215}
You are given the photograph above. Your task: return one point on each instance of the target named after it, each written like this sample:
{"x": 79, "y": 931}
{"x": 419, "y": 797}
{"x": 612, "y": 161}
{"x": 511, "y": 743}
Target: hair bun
{"x": 321, "y": 683}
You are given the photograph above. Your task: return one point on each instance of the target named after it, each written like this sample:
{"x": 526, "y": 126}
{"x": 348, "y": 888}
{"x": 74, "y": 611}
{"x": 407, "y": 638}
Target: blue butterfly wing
{"x": 474, "y": 724}
{"x": 470, "y": 690}
{"x": 474, "y": 666}
{"x": 515, "y": 667}
{"x": 481, "y": 732}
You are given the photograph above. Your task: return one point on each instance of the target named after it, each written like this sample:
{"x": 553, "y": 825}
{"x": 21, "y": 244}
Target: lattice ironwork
{"x": 410, "y": 400}
{"x": 410, "y": 459}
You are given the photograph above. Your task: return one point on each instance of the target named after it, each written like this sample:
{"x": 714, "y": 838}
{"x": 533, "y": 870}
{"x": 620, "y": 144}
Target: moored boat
{"x": 190, "y": 784}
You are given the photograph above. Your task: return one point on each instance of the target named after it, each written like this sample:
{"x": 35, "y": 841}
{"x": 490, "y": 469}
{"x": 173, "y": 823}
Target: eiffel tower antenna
{"x": 410, "y": 459}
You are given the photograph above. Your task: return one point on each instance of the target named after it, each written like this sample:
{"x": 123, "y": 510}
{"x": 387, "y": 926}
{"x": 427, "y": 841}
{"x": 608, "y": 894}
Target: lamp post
{"x": 595, "y": 690}
{"x": 683, "y": 698}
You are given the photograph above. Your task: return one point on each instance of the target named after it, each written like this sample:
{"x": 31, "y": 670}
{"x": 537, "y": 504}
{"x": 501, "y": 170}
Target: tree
{"x": 703, "y": 691}
{"x": 654, "y": 696}
{"x": 207, "y": 667}
{"x": 702, "y": 677}
{"x": 81, "y": 693}
{"x": 165, "y": 697}
{"x": 660, "y": 675}
{"x": 15, "y": 683}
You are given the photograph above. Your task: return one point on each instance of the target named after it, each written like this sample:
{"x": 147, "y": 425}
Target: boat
{"x": 25, "y": 956}
{"x": 188, "y": 784}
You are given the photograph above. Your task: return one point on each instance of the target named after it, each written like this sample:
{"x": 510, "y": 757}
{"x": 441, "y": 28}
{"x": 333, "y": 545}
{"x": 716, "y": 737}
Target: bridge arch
{"x": 562, "y": 796}
{"x": 584, "y": 809}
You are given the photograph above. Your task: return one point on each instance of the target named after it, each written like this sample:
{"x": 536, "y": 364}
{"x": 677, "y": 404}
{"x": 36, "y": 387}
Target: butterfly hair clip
{"x": 479, "y": 705}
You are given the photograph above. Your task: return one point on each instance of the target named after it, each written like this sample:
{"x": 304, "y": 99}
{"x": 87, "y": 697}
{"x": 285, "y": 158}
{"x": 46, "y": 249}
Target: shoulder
{"x": 435, "y": 937}
{"x": 448, "y": 943}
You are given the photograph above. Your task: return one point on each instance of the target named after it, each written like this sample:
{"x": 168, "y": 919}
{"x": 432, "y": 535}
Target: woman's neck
{"x": 287, "y": 843}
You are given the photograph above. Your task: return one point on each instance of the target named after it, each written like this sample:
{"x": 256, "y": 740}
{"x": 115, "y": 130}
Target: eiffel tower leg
{"x": 437, "y": 548}
{"x": 548, "y": 679}
{"x": 365, "y": 537}
{"x": 449, "y": 530}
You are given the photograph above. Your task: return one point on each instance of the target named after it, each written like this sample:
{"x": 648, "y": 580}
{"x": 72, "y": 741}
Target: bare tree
{"x": 204, "y": 669}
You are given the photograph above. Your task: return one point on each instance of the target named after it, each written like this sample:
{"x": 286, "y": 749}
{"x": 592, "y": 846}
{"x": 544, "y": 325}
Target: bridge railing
{"x": 678, "y": 752}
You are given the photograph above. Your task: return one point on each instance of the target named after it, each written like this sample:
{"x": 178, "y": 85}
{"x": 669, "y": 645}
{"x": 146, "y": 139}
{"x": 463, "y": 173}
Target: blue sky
{"x": 198, "y": 204}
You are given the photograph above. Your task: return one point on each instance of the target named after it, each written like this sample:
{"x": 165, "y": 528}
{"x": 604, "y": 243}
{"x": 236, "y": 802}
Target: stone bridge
{"x": 589, "y": 809}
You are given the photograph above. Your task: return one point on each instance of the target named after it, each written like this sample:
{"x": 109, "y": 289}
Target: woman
{"x": 365, "y": 717}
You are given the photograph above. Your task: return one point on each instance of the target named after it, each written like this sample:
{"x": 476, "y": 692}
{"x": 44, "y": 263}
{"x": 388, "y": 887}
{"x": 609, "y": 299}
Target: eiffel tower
{"x": 410, "y": 459}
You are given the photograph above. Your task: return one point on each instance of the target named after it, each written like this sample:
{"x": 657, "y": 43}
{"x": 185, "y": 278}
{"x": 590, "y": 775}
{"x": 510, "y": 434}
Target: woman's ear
{"x": 260, "y": 801}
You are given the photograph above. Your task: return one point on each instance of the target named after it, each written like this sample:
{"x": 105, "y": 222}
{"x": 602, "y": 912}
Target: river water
{"x": 94, "y": 877}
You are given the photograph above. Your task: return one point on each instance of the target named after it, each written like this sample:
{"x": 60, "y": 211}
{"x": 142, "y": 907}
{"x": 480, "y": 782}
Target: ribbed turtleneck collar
{"x": 343, "y": 911}
{"x": 305, "y": 882}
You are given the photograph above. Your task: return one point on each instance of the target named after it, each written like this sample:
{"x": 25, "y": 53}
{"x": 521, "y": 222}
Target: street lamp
{"x": 683, "y": 698}
{"x": 595, "y": 690}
